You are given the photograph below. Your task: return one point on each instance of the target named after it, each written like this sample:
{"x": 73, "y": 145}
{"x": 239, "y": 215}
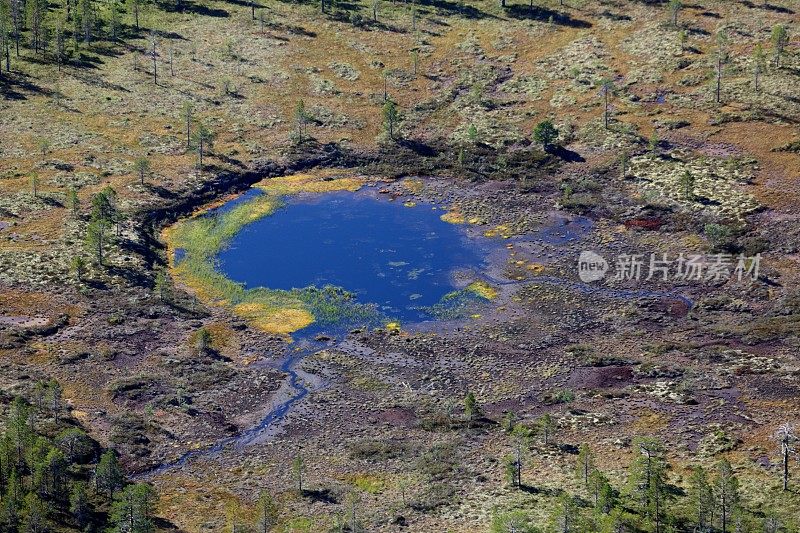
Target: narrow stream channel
{"x": 392, "y": 255}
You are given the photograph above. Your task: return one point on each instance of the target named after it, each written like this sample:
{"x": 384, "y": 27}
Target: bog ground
{"x": 144, "y": 393}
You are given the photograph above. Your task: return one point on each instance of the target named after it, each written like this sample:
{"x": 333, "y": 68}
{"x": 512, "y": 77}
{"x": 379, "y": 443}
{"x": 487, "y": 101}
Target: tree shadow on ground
{"x": 13, "y": 83}
{"x": 454, "y": 8}
{"x": 131, "y": 275}
{"x": 543, "y": 14}
{"x": 193, "y": 8}
{"x": 165, "y": 525}
{"x": 567, "y": 154}
{"x": 320, "y": 495}
{"x": 768, "y": 7}
{"x": 418, "y": 147}
{"x": 160, "y": 191}
{"x": 615, "y": 16}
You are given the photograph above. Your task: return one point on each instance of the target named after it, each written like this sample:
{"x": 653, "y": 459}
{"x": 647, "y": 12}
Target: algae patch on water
{"x": 194, "y": 243}
{"x": 464, "y": 303}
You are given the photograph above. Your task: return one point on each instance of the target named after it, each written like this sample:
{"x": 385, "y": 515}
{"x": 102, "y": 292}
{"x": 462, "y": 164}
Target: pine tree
{"x": 726, "y": 488}
{"x": 203, "y": 142}
{"x": 161, "y": 286}
{"x": 300, "y": 117}
{"x": 266, "y": 512}
{"x": 780, "y": 38}
{"x": 108, "y": 474}
{"x": 186, "y": 114}
{"x": 78, "y": 267}
{"x": 19, "y": 429}
{"x": 134, "y": 7}
{"x": 647, "y": 483}
{"x": 79, "y": 503}
{"x": 721, "y": 60}
{"x": 298, "y": 470}
{"x": 471, "y": 408}
{"x": 86, "y": 20}
{"x": 142, "y": 167}
{"x": 624, "y": 160}
{"x": 154, "y": 55}
{"x": 509, "y": 421}
{"x": 602, "y": 492}
{"x": 73, "y": 201}
{"x": 585, "y": 464}
{"x": 701, "y": 498}
{"x": 565, "y": 515}
{"x": 134, "y": 508}
{"x": 606, "y": 88}
{"x": 759, "y": 65}
{"x": 60, "y": 43}
{"x": 114, "y": 20}
{"x": 75, "y": 444}
{"x": 35, "y": 514}
{"x": 687, "y": 184}
{"x": 674, "y": 8}
{"x": 546, "y": 426}
{"x": 390, "y": 117}
{"x": 11, "y": 504}
{"x": 16, "y": 22}
{"x": 545, "y": 133}
{"x": 103, "y": 216}
{"x": 521, "y": 440}
{"x": 787, "y": 439}
{"x": 55, "y": 399}
{"x": 36, "y": 10}
{"x": 5, "y": 37}
{"x": 35, "y": 184}
{"x": 50, "y": 474}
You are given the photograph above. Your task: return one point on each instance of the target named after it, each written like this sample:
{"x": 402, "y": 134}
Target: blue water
{"x": 402, "y": 259}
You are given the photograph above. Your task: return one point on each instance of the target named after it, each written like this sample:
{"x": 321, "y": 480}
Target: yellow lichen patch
{"x": 483, "y": 289}
{"x": 500, "y": 230}
{"x": 224, "y": 339}
{"x": 299, "y": 183}
{"x": 369, "y": 483}
{"x": 393, "y": 327}
{"x": 649, "y": 421}
{"x": 410, "y": 204}
{"x": 536, "y": 268}
{"x": 271, "y": 320}
{"x": 414, "y": 186}
{"x": 454, "y": 216}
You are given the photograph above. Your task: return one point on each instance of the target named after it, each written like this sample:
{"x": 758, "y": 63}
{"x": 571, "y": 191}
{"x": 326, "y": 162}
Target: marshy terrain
{"x": 314, "y": 266}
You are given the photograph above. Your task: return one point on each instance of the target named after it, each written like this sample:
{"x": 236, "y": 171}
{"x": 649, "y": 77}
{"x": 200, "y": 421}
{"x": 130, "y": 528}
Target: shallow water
{"x": 402, "y": 259}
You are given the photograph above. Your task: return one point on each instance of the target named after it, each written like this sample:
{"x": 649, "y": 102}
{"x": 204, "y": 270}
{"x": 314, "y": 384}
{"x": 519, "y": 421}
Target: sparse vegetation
{"x": 535, "y": 402}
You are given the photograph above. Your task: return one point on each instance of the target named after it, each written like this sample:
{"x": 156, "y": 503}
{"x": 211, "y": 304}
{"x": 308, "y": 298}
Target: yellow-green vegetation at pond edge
{"x": 483, "y": 289}
{"x": 201, "y": 237}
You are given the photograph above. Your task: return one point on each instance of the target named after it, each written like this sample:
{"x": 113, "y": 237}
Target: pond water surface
{"x": 402, "y": 259}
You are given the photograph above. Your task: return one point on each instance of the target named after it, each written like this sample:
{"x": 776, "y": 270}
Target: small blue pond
{"x": 402, "y": 259}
